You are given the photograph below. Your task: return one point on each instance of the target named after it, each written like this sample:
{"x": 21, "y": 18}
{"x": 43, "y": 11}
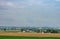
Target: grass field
{"x": 25, "y": 37}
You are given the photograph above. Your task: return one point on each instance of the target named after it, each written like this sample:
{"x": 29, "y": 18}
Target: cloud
{"x": 7, "y": 4}
{"x": 10, "y": 4}
{"x": 24, "y": 3}
{"x": 29, "y": 12}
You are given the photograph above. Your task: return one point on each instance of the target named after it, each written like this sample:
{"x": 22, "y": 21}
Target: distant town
{"x": 29, "y": 29}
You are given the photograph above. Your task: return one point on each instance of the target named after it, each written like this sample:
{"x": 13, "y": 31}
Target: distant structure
{"x": 30, "y": 29}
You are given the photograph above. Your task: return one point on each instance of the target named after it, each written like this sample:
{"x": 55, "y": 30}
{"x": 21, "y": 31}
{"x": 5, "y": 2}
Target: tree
{"x": 21, "y": 30}
{"x": 4, "y": 29}
{"x": 54, "y": 31}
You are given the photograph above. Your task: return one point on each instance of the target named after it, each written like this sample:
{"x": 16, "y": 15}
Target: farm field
{"x": 30, "y": 34}
{"x": 25, "y": 37}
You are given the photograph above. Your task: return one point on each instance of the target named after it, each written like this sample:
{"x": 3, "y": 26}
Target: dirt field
{"x": 29, "y": 34}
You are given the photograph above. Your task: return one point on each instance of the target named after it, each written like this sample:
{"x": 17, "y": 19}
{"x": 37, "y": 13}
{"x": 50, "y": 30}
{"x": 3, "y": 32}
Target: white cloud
{"x": 22, "y": 4}
{"x": 10, "y": 4}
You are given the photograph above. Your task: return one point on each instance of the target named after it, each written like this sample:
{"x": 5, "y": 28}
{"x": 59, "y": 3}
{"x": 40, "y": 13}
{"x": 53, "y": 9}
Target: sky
{"x": 30, "y": 13}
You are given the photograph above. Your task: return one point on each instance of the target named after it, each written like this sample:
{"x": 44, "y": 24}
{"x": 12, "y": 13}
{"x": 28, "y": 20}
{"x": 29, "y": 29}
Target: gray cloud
{"x": 29, "y": 13}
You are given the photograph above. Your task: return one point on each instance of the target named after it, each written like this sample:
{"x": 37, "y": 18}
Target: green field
{"x": 21, "y": 37}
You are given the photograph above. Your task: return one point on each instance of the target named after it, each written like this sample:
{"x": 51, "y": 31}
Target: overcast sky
{"x": 30, "y": 13}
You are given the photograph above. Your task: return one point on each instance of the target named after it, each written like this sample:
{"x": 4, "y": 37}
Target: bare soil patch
{"x": 29, "y": 34}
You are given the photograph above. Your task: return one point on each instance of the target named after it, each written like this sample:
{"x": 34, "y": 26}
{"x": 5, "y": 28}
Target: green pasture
{"x": 23, "y": 37}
